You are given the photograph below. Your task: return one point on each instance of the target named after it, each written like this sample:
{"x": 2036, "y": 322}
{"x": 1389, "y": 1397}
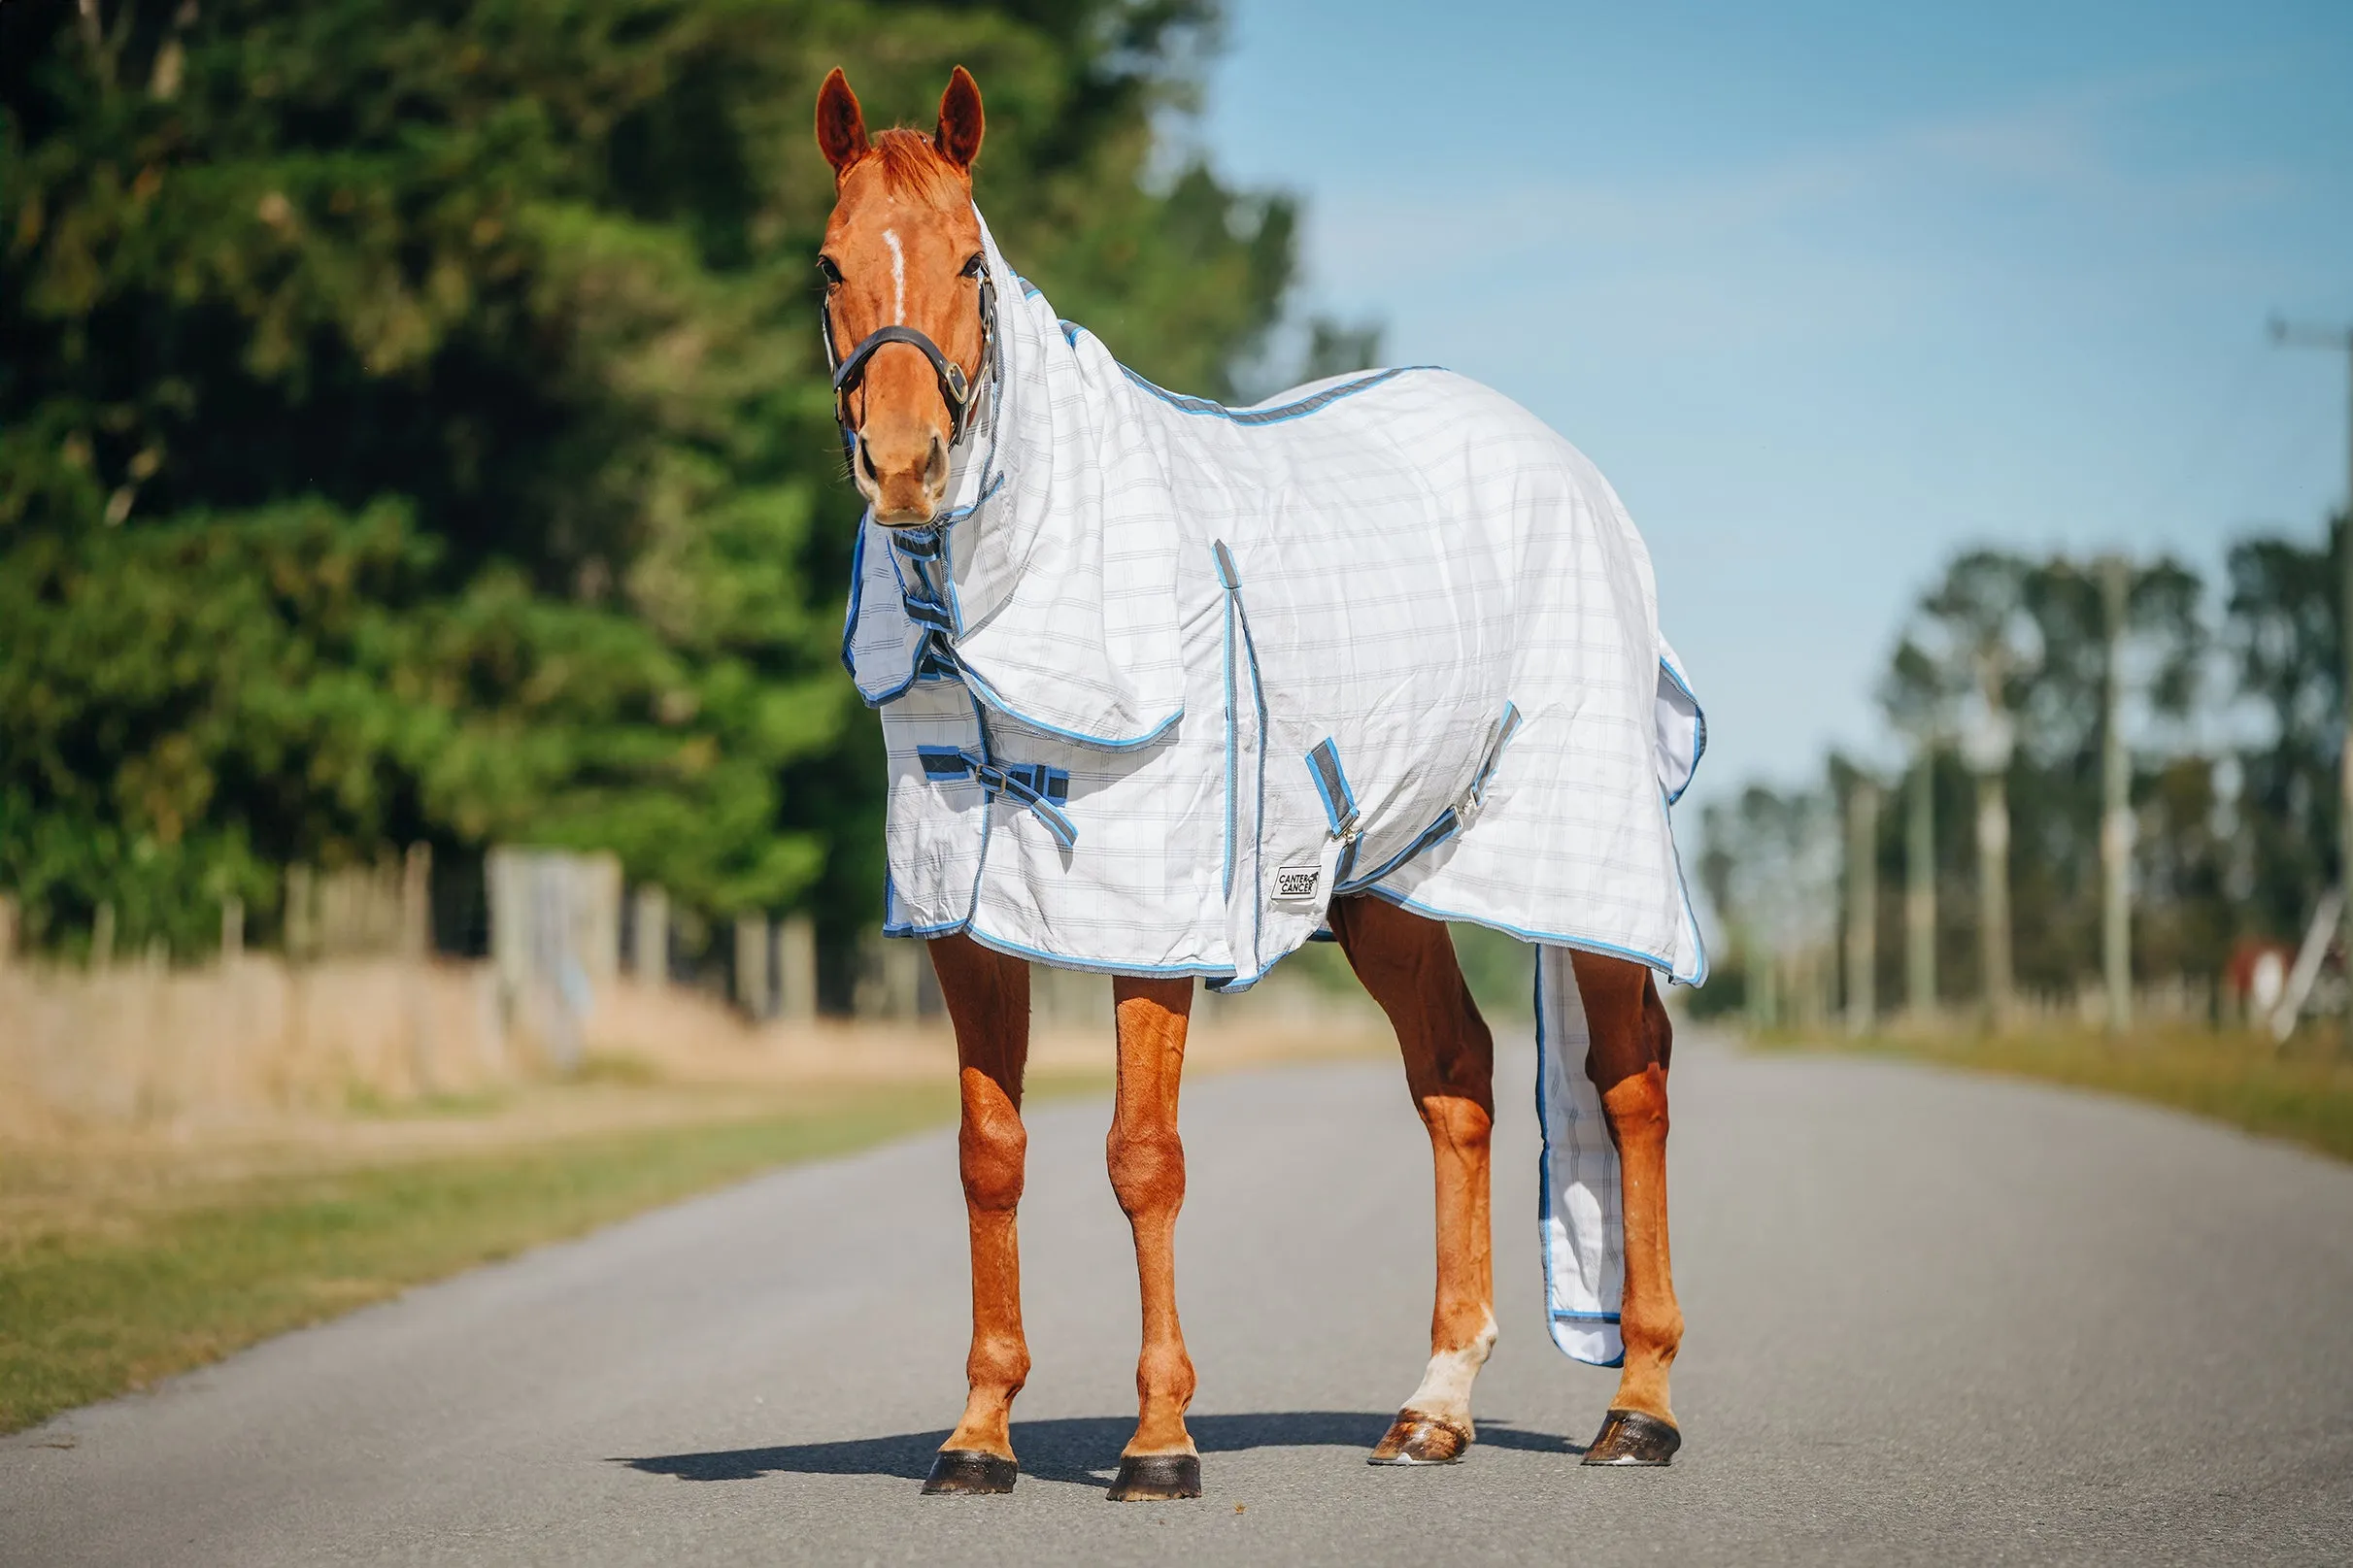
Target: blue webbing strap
{"x": 929, "y": 613}
{"x": 1506, "y": 726}
{"x": 1452, "y": 819}
{"x": 1331, "y": 782}
{"x": 1339, "y": 803}
{"x": 1041, "y": 789}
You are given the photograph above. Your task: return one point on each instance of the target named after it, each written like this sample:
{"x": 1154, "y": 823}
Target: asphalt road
{"x": 1932, "y": 1319}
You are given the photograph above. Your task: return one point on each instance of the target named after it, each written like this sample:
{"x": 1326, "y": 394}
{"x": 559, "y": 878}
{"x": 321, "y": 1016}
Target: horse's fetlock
{"x": 1658, "y": 1330}
{"x": 999, "y": 1361}
{"x": 1166, "y": 1372}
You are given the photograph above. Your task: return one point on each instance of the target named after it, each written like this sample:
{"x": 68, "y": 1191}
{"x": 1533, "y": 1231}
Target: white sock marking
{"x": 899, "y": 279}
{"x": 1446, "y": 1386}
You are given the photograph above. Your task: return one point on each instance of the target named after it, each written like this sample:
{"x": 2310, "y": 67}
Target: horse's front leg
{"x": 988, "y": 997}
{"x": 1408, "y": 965}
{"x": 1632, "y": 1042}
{"x": 1148, "y": 1174}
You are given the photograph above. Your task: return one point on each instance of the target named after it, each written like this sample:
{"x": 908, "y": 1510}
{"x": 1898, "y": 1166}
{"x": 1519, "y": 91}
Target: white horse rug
{"x": 1166, "y": 678}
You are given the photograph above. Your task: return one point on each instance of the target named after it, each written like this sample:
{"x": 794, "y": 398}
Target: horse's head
{"x": 904, "y": 276}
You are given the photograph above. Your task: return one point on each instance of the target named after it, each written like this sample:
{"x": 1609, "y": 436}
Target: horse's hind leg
{"x": 1631, "y": 1040}
{"x": 1148, "y": 1175}
{"x": 1408, "y": 965}
{"x": 988, "y": 997}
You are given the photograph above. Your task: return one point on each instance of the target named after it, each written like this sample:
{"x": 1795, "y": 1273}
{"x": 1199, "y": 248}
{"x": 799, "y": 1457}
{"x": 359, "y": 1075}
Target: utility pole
{"x": 1920, "y": 889}
{"x": 1862, "y": 905}
{"x": 2116, "y": 805}
{"x": 2339, "y": 339}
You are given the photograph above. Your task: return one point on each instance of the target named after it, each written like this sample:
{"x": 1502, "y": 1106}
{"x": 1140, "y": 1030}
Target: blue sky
{"x": 1831, "y": 290}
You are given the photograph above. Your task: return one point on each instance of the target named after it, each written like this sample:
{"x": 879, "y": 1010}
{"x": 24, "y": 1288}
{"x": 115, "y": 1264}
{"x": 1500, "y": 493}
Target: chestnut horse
{"x": 903, "y": 251}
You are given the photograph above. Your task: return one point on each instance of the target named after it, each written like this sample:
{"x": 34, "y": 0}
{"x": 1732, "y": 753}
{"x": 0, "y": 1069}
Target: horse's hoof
{"x": 1155, "y": 1477}
{"x": 1630, "y": 1436}
{"x": 1418, "y": 1439}
{"x": 971, "y": 1473}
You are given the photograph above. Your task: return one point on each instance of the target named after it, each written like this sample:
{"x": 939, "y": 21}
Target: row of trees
{"x": 413, "y": 427}
{"x": 2024, "y": 695}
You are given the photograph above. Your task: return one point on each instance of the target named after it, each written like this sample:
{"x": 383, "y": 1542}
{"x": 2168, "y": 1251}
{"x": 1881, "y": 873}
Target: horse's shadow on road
{"x": 1080, "y": 1450}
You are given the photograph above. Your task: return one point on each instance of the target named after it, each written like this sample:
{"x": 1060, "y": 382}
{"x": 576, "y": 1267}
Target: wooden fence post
{"x": 650, "y": 937}
{"x": 752, "y": 988}
{"x": 797, "y": 969}
{"x": 417, "y": 902}
{"x": 102, "y": 938}
{"x": 301, "y": 923}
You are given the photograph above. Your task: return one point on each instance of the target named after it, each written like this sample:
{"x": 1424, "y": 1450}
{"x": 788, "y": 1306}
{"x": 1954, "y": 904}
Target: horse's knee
{"x": 1652, "y": 1323}
{"x": 991, "y": 1151}
{"x": 1147, "y": 1168}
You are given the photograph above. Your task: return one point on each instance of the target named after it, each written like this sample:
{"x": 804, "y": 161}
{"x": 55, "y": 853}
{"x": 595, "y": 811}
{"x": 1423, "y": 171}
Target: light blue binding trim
{"x": 1280, "y": 414}
{"x": 1648, "y": 960}
{"x": 1232, "y": 701}
{"x": 1699, "y": 743}
{"x": 1016, "y": 949}
{"x": 1699, "y": 977}
{"x": 857, "y": 596}
{"x": 978, "y": 685}
{"x": 1257, "y": 843}
{"x": 1545, "y": 1151}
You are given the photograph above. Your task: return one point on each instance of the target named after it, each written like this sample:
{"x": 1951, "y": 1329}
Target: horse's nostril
{"x": 935, "y": 470}
{"x": 865, "y": 461}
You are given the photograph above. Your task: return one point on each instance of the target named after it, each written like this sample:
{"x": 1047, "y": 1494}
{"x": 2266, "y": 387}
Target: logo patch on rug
{"x": 1298, "y": 881}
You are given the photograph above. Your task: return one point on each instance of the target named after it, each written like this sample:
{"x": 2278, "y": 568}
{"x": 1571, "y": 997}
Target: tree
{"x": 411, "y": 424}
{"x": 2283, "y": 628}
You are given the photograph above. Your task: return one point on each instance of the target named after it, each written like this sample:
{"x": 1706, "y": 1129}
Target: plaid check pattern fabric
{"x": 1384, "y": 634}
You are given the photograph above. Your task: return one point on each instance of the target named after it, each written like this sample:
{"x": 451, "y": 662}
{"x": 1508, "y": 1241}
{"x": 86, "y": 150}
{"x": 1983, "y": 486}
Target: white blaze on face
{"x": 1446, "y": 1386}
{"x": 899, "y": 279}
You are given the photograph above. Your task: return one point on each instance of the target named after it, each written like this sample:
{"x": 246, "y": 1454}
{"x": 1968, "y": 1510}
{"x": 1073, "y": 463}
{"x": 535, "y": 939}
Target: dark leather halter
{"x": 955, "y": 391}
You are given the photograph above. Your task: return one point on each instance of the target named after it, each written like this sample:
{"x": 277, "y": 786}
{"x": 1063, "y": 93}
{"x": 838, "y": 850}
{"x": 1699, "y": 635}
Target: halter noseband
{"x": 955, "y": 390}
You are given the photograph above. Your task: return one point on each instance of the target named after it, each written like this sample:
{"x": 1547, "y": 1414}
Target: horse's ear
{"x": 959, "y": 138}
{"x": 841, "y": 127}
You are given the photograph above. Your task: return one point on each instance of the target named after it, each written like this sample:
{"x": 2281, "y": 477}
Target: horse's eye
{"x": 972, "y": 268}
{"x": 833, "y": 273}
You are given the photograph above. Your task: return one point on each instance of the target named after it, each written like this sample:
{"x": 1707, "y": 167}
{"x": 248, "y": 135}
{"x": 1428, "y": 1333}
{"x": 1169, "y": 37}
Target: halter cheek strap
{"x": 954, "y": 389}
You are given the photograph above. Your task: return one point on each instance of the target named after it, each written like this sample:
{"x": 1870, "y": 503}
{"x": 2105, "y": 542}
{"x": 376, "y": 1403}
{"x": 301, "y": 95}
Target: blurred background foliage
{"x": 413, "y": 427}
{"x": 2234, "y": 721}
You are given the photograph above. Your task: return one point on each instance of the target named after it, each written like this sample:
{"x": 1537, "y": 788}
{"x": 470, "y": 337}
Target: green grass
{"x": 115, "y": 1294}
{"x": 2302, "y": 1093}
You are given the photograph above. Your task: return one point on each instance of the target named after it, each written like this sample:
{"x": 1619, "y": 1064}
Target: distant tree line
{"x": 1981, "y": 830}
{"x": 413, "y": 426}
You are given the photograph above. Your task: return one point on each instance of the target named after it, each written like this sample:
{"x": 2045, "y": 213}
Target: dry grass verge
{"x": 129, "y": 1254}
{"x": 2302, "y": 1093}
